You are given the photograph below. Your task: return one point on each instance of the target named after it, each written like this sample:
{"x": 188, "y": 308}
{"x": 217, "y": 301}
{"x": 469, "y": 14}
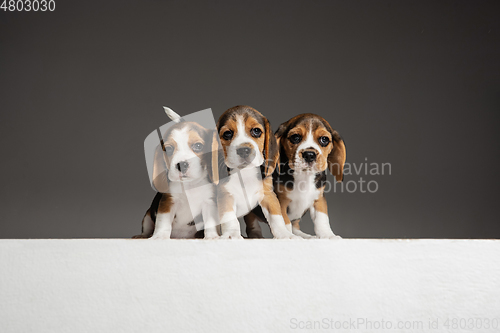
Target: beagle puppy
{"x": 250, "y": 155}
{"x": 308, "y": 146}
{"x": 183, "y": 163}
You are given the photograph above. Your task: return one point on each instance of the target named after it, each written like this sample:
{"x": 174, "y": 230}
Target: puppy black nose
{"x": 244, "y": 152}
{"x": 309, "y": 156}
{"x": 182, "y": 166}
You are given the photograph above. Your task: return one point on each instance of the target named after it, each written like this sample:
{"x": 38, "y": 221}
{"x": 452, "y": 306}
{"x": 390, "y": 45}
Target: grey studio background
{"x": 411, "y": 83}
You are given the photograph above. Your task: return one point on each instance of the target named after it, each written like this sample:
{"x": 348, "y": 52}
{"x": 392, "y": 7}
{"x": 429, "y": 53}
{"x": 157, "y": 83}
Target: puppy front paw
{"x": 285, "y": 235}
{"x": 335, "y": 237}
{"x": 160, "y": 237}
{"x": 306, "y": 236}
{"x": 211, "y": 236}
{"x": 235, "y": 234}
{"x": 303, "y": 234}
{"x": 141, "y": 236}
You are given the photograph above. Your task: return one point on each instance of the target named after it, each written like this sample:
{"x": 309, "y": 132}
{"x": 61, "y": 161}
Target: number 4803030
{"x": 28, "y": 5}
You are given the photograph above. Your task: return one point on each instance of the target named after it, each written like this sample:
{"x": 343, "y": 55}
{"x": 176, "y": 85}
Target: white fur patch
{"x": 308, "y": 143}
{"x": 247, "y": 191}
{"x": 184, "y": 153}
{"x": 322, "y": 225}
{"x": 230, "y": 226}
{"x": 163, "y": 226}
{"x": 278, "y": 227}
{"x": 303, "y": 195}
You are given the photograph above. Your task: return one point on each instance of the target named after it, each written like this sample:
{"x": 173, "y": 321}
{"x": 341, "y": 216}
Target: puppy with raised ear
{"x": 308, "y": 146}
{"x": 183, "y": 161}
{"x": 250, "y": 156}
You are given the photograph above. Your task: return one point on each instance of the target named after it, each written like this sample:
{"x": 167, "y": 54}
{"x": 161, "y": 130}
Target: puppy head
{"x": 247, "y": 139}
{"x": 187, "y": 151}
{"x": 309, "y": 144}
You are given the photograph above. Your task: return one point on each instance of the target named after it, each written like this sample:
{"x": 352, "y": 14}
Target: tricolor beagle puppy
{"x": 308, "y": 146}
{"x": 184, "y": 160}
{"x": 250, "y": 156}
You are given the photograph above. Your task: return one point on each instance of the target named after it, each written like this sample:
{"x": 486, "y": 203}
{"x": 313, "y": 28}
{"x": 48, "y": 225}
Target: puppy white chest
{"x": 246, "y": 189}
{"x": 303, "y": 195}
{"x": 188, "y": 205}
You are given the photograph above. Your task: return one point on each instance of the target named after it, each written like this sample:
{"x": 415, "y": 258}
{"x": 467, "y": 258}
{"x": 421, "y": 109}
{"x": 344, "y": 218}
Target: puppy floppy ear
{"x": 279, "y": 139}
{"x": 281, "y": 130}
{"x": 213, "y": 165}
{"x": 271, "y": 151}
{"x": 336, "y": 158}
{"x": 160, "y": 170}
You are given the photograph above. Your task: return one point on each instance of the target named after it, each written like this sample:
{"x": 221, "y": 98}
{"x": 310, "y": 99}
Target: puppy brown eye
{"x": 324, "y": 141}
{"x": 227, "y": 135}
{"x": 295, "y": 138}
{"x": 256, "y": 132}
{"x": 169, "y": 150}
{"x": 197, "y": 147}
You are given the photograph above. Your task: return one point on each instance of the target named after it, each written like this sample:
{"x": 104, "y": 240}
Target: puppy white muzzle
{"x": 306, "y": 159}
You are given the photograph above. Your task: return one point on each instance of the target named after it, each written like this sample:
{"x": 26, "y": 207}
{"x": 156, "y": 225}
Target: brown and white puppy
{"x": 184, "y": 162}
{"x": 250, "y": 155}
{"x": 308, "y": 146}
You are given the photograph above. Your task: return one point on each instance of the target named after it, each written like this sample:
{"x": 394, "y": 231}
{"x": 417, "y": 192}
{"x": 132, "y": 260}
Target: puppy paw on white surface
{"x": 303, "y": 234}
{"x": 231, "y": 235}
{"x": 160, "y": 237}
{"x": 211, "y": 237}
{"x": 334, "y": 237}
{"x": 306, "y": 236}
{"x": 286, "y": 236}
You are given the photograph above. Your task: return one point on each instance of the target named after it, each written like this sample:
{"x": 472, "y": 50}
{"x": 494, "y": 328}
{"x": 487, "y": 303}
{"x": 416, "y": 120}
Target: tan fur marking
{"x": 290, "y": 148}
{"x": 282, "y": 194}
{"x": 271, "y": 150}
{"x": 325, "y": 151}
{"x": 336, "y": 160}
{"x": 251, "y": 123}
{"x": 170, "y": 142}
{"x": 320, "y": 205}
{"x": 215, "y": 159}
{"x": 225, "y": 201}
{"x": 284, "y": 206}
{"x": 166, "y": 203}
{"x": 270, "y": 201}
{"x": 230, "y": 125}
